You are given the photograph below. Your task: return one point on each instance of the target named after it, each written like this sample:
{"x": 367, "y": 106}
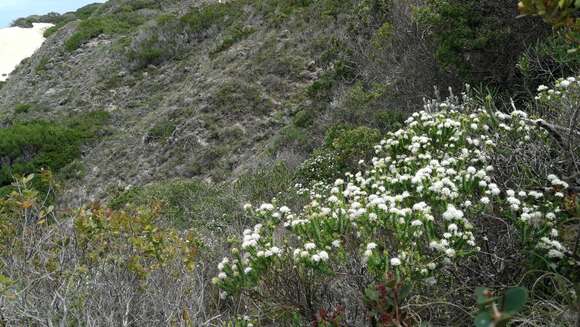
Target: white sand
{"x": 17, "y": 44}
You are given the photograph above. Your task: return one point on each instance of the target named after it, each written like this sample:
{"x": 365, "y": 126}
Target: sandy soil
{"x": 17, "y": 44}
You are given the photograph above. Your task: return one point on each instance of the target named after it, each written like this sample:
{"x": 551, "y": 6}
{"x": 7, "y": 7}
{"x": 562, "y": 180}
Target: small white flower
{"x": 555, "y": 254}
{"x": 395, "y": 262}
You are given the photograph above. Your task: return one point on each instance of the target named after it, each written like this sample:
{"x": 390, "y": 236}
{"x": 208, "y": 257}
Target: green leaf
{"x": 483, "y": 297}
{"x": 483, "y": 319}
{"x": 515, "y": 299}
{"x": 405, "y": 291}
{"x": 371, "y": 293}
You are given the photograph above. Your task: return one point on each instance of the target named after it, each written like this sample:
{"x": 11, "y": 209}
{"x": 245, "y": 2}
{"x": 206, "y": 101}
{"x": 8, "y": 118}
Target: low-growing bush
{"x": 416, "y": 214}
{"x": 94, "y": 260}
{"x": 479, "y": 41}
{"x": 22, "y": 108}
{"x": 108, "y": 24}
{"x": 156, "y": 43}
{"x": 220, "y": 15}
{"x": 345, "y": 150}
{"x": 231, "y": 37}
{"x": 26, "y": 148}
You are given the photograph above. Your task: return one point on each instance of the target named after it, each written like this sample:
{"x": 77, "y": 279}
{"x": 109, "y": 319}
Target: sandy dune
{"x": 17, "y": 44}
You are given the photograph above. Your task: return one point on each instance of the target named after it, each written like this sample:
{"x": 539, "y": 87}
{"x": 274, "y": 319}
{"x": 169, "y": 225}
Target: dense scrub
{"x": 410, "y": 209}
{"x": 28, "y": 147}
{"x": 435, "y": 209}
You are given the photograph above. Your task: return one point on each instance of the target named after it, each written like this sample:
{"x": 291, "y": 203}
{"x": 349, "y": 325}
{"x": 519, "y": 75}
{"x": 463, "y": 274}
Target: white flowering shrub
{"x": 421, "y": 206}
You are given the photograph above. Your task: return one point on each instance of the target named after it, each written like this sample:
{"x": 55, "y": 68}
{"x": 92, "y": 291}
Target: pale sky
{"x": 13, "y": 9}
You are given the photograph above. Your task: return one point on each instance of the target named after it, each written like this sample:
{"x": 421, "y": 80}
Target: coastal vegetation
{"x": 294, "y": 163}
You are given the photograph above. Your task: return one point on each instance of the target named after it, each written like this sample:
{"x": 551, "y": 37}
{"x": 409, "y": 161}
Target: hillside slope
{"x": 212, "y": 90}
{"x": 209, "y": 114}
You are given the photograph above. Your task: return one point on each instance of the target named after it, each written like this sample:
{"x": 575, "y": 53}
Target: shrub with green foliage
{"x": 161, "y": 131}
{"x": 419, "y": 212}
{"x": 26, "y": 148}
{"x": 22, "y": 108}
{"x": 220, "y": 15}
{"x": 108, "y": 24}
{"x": 479, "y": 40}
{"x": 546, "y": 59}
{"x": 343, "y": 150}
{"x": 234, "y": 35}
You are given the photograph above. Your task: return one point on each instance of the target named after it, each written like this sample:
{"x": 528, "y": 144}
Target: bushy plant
{"x": 231, "y": 37}
{"x": 25, "y": 148}
{"x": 558, "y": 13}
{"x": 414, "y": 213}
{"x": 93, "y": 261}
{"x": 478, "y": 40}
{"x": 22, "y": 108}
{"x": 97, "y": 25}
{"x": 344, "y": 150}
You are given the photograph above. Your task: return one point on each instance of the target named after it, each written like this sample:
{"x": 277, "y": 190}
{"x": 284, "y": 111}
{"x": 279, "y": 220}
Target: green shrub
{"x": 342, "y": 151}
{"x": 292, "y": 137}
{"x": 22, "y": 108}
{"x": 478, "y": 41}
{"x": 26, "y": 148}
{"x": 321, "y": 89}
{"x": 162, "y": 130}
{"x": 545, "y": 59}
{"x": 204, "y": 17}
{"x": 157, "y": 43}
{"x": 213, "y": 205}
{"x": 364, "y": 105}
{"x": 303, "y": 118}
{"x": 231, "y": 37}
{"x": 238, "y": 97}
{"x": 41, "y": 66}
{"x": 95, "y": 26}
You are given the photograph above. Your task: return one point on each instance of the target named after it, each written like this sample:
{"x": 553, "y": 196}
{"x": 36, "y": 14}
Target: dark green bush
{"x": 238, "y": 97}
{"x": 22, "y": 108}
{"x": 343, "y": 148}
{"x": 292, "y": 137}
{"x": 193, "y": 202}
{"x": 479, "y": 41}
{"x": 321, "y": 89}
{"x": 303, "y": 118}
{"x": 26, "y": 148}
{"x": 546, "y": 59}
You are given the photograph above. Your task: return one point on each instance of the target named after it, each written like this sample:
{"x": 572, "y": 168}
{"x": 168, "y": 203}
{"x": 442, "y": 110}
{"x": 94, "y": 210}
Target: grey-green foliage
{"x": 193, "y": 202}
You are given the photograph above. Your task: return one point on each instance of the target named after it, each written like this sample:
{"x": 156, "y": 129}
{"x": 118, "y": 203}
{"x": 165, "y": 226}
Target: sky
{"x": 12, "y": 9}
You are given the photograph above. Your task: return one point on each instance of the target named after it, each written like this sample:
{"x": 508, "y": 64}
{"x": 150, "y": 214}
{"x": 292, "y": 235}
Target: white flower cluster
{"x": 418, "y": 199}
{"x": 561, "y": 88}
